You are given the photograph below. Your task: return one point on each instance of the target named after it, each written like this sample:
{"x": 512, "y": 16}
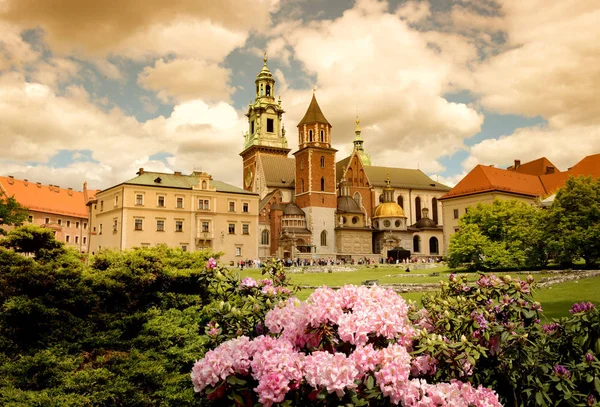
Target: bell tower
{"x": 315, "y": 176}
{"x": 266, "y": 134}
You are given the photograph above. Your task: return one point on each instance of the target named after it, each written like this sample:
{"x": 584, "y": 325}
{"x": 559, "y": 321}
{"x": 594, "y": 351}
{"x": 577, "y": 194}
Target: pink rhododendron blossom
{"x": 248, "y": 282}
{"x": 334, "y": 372}
{"x": 211, "y": 263}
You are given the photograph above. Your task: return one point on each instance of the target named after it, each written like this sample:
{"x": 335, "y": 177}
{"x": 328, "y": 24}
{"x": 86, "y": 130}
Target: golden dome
{"x": 389, "y": 210}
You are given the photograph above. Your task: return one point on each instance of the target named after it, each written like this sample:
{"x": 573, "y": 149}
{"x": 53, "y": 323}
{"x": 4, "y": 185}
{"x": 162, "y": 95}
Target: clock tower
{"x": 266, "y": 134}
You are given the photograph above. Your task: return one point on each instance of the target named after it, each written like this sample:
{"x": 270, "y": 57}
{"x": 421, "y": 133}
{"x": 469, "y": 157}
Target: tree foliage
{"x": 11, "y": 212}
{"x": 123, "y": 331}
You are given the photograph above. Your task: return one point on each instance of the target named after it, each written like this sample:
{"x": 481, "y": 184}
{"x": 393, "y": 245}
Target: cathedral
{"x": 312, "y": 206}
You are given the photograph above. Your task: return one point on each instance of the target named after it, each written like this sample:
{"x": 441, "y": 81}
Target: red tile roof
{"x": 532, "y": 181}
{"x": 47, "y": 198}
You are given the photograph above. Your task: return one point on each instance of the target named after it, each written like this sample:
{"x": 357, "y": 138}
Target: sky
{"x": 93, "y": 90}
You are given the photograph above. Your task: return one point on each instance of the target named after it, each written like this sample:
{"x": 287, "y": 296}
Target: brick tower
{"x": 315, "y": 177}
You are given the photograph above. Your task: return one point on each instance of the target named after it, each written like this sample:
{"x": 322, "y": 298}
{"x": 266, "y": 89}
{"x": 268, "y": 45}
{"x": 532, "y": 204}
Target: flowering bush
{"x": 489, "y": 333}
{"x": 351, "y": 346}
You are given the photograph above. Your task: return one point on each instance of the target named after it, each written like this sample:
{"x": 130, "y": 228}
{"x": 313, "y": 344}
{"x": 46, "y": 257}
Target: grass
{"x": 556, "y": 300}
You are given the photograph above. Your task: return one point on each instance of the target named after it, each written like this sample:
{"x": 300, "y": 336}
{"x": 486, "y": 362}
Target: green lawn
{"x": 556, "y": 300}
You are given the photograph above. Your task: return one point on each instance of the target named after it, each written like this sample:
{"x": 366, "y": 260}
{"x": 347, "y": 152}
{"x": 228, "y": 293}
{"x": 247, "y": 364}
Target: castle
{"x": 312, "y": 206}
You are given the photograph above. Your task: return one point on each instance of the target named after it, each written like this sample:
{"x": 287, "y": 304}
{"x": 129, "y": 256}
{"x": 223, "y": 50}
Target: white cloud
{"x": 414, "y": 11}
{"x": 185, "y": 79}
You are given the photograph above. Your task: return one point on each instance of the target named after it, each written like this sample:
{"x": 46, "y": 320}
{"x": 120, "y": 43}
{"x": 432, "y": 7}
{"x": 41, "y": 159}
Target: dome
{"x": 292, "y": 209}
{"x": 389, "y": 210}
{"x": 425, "y": 223}
{"x": 345, "y": 204}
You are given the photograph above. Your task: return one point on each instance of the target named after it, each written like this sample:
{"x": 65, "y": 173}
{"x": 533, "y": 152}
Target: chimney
{"x": 11, "y": 180}
{"x": 140, "y": 172}
{"x": 517, "y": 164}
{"x": 70, "y": 192}
{"x": 38, "y": 184}
{"x": 56, "y": 188}
{"x": 25, "y": 182}
{"x": 177, "y": 172}
{"x": 549, "y": 170}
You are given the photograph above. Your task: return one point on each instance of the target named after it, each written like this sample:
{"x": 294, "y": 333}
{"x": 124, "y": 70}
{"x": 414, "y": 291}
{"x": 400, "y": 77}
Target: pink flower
{"x": 248, "y": 282}
{"x": 211, "y": 263}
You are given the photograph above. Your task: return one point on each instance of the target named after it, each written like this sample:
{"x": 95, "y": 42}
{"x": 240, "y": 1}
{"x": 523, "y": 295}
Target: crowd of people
{"x": 339, "y": 262}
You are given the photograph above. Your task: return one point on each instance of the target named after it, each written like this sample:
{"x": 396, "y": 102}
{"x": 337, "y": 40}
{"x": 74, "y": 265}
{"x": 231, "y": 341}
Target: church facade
{"x": 312, "y": 206}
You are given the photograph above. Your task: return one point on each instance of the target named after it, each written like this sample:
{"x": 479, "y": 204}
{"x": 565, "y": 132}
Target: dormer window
{"x": 158, "y": 180}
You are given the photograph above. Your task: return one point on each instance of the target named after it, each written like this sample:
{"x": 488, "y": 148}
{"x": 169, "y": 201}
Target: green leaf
{"x": 597, "y": 384}
{"x": 538, "y": 398}
{"x": 236, "y": 380}
{"x": 370, "y": 382}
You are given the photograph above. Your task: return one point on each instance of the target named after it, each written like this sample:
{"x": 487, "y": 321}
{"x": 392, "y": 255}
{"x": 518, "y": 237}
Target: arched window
{"x": 261, "y": 89}
{"x": 358, "y": 198}
{"x": 418, "y": 208}
{"x": 324, "y": 238}
{"x": 380, "y": 198}
{"x": 268, "y": 90}
{"x": 416, "y": 244}
{"x": 264, "y": 237}
{"x": 203, "y": 184}
{"x": 322, "y": 184}
{"x": 310, "y": 135}
{"x": 322, "y": 136}
{"x": 434, "y": 247}
{"x": 434, "y": 210}
{"x": 257, "y": 90}
{"x": 401, "y": 201}
{"x": 322, "y": 162}
{"x": 302, "y": 185}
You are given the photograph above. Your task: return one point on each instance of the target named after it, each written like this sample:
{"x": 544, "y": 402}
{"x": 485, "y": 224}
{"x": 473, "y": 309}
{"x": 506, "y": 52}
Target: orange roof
{"x": 590, "y": 165}
{"x": 487, "y": 179}
{"x": 535, "y": 167}
{"x": 529, "y": 179}
{"x": 47, "y": 198}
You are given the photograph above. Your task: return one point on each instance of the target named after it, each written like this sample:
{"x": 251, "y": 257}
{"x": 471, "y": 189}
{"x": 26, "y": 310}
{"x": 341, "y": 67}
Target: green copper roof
{"x": 160, "y": 179}
{"x": 313, "y": 114}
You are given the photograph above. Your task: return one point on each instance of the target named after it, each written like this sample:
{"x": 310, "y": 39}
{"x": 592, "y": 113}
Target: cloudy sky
{"x": 92, "y": 90}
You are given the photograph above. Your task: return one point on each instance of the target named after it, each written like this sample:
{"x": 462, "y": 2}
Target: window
{"x": 264, "y": 237}
{"x": 178, "y": 226}
{"x": 252, "y": 127}
{"x": 245, "y": 229}
{"x": 161, "y": 201}
{"x": 59, "y": 222}
{"x": 101, "y": 205}
{"x": 418, "y": 208}
{"x": 139, "y": 199}
{"x": 47, "y": 220}
{"x": 160, "y": 225}
{"x": 381, "y": 198}
{"x": 433, "y": 245}
{"x": 77, "y": 225}
{"x": 434, "y": 210}
{"x": 179, "y": 202}
{"x": 85, "y": 225}
{"x": 68, "y": 223}
{"x": 204, "y": 184}
{"x": 456, "y": 214}
{"x": 416, "y": 244}
{"x": 322, "y": 136}
{"x": 269, "y": 125}
{"x": 116, "y": 200}
{"x": 354, "y": 220}
{"x": 115, "y": 224}
{"x": 232, "y": 228}
{"x": 401, "y": 201}
{"x": 358, "y": 199}
{"x": 184, "y": 247}
{"x": 324, "y": 238}
{"x": 85, "y": 240}
{"x": 231, "y": 206}
{"x": 322, "y": 184}
{"x": 76, "y": 239}
{"x": 466, "y": 210}
{"x": 138, "y": 224}
{"x": 67, "y": 238}
{"x": 205, "y": 226}
{"x": 30, "y": 218}
{"x": 100, "y": 229}
{"x": 203, "y": 204}
{"x": 245, "y": 207}
{"x": 322, "y": 162}
{"x": 310, "y": 135}
{"x": 238, "y": 251}
{"x": 386, "y": 223}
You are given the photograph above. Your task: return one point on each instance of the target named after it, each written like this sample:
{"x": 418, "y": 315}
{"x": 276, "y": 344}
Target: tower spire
{"x": 358, "y": 144}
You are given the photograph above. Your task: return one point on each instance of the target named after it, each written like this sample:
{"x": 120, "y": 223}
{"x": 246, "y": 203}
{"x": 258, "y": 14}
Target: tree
{"x": 575, "y": 221}
{"x": 11, "y": 212}
{"x": 34, "y": 239}
{"x": 506, "y": 233}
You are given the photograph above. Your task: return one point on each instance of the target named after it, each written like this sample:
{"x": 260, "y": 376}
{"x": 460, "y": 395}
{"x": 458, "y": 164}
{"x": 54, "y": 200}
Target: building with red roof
{"x": 62, "y": 210}
{"x": 530, "y": 181}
